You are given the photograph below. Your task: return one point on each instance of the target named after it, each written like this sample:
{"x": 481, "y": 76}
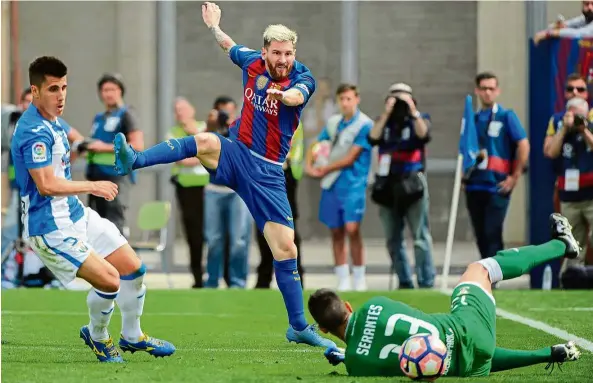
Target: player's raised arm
{"x": 298, "y": 95}
{"x": 211, "y": 15}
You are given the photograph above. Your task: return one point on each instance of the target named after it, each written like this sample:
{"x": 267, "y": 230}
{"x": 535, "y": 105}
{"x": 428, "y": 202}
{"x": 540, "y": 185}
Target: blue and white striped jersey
{"x": 37, "y": 143}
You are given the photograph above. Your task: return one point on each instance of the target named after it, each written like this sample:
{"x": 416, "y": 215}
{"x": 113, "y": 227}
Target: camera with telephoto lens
{"x": 400, "y": 113}
{"x": 579, "y": 120}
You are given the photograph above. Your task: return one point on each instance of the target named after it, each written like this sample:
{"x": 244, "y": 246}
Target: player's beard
{"x": 588, "y": 16}
{"x": 276, "y": 70}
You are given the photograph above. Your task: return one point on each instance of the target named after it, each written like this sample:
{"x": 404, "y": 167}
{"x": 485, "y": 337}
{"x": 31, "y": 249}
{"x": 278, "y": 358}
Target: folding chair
{"x": 154, "y": 216}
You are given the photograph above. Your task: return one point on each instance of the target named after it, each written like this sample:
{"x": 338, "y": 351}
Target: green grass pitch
{"x": 238, "y": 336}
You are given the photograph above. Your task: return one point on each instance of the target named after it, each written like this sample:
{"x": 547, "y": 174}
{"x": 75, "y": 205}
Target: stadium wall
{"x": 437, "y": 47}
{"x": 94, "y": 38}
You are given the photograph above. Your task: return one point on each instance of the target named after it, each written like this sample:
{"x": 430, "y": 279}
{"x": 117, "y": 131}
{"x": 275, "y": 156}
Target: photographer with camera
{"x": 226, "y": 213}
{"x": 400, "y": 187}
{"x": 571, "y": 147}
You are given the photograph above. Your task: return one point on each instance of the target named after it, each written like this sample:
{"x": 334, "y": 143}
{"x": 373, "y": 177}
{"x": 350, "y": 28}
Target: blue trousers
{"x": 226, "y": 215}
{"x": 416, "y": 217}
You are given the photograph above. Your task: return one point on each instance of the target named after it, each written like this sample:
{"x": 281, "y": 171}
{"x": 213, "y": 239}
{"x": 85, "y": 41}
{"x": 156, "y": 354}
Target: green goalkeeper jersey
{"x": 376, "y": 331}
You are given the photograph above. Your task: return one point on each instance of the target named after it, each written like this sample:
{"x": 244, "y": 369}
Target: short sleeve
{"x": 323, "y": 135}
{"x": 305, "y": 83}
{"x": 128, "y": 122}
{"x": 516, "y": 131}
{"x": 243, "y": 56}
{"x": 362, "y": 138}
{"x": 36, "y": 147}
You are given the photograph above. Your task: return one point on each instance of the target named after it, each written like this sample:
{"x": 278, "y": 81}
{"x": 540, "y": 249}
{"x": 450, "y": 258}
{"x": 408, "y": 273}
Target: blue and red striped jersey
{"x": 266, "y": 126}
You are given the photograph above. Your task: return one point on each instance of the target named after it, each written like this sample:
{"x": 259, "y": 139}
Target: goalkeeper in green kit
{"x": 375, "y": 332}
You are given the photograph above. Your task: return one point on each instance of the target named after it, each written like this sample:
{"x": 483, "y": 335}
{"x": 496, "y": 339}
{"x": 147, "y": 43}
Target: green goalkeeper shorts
{"x": 475, "y": 311}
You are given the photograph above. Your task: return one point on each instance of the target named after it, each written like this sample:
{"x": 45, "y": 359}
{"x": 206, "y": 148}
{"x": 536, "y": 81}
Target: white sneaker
{"x": 358, "y": 272}
{"x": 360, "y": 285}
{"x": 344, "y": 285}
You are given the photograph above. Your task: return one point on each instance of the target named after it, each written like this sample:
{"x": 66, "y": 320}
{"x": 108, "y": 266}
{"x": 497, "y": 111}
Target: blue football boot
{"x": 308, "y": 336}
{"x": 125, "y": 155}
{"x": 153, "y": 346}
{"x": 104, "y": 350}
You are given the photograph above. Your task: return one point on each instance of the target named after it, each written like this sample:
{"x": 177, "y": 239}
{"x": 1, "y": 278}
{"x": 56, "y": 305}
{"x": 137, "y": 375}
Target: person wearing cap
{"x": 504, "y": 152}
{"x": 116, "y": 118}
{"x": 189, "y": 178}
{"x": 571, "y": 148}
{"x": 400, "y": 188}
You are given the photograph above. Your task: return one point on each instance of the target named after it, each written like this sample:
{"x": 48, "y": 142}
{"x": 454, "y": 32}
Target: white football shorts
{"x": 63, "y": 251}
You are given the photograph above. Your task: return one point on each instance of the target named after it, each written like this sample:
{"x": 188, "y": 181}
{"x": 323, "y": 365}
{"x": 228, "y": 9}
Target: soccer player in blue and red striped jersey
{"x": 276, "y": 89}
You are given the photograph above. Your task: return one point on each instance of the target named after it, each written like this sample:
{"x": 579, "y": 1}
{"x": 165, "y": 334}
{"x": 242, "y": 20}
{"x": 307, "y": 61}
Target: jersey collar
{"x": 349, "y": 326}
{"x": 35, "y": 110}
{"x": 354, "y": 117}
{"x": 494, "y": 109}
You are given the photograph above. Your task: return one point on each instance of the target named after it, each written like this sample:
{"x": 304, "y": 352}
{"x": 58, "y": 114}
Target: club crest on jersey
{"x": 275, "y": 86}
{"x": 39, "y": 152}
{"x": 261, "y": 82}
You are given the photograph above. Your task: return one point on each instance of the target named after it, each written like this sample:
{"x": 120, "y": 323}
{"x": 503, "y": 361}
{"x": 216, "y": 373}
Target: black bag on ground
{"x": 577, "y": 278}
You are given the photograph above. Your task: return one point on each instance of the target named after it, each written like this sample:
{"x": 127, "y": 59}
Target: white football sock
{"x": 100, "y": 306}
{"x": 343, "y": 275}
{"x": 358, "y": 273}
{"x": 131, "y": 303}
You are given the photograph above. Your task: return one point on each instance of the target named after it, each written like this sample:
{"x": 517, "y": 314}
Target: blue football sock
{"x": 289, "y": 283}
{"x": 173, "y": 150}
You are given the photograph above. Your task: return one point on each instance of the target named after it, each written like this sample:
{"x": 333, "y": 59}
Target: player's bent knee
{"x": 285, "y": 249}
{"x": 207, "y": 142}
{"x": 280, "y": 238}
{"x": 476, "y": 269}
{"x": 477, "y": 273}
{"x": 99, "y": 273}
{"x": 209, "y": 147}
{"x": 124, "y": 260}
{"x": 109, "y": 285}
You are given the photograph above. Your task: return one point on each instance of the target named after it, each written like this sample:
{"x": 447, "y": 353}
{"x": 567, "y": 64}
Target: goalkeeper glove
{"x": 334, "y": 355}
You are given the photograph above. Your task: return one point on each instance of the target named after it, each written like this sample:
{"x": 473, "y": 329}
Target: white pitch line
{"x": 559, "y": 333}
{"x": 192, "y": 349}
{"x": 168, "y": 314}
{"x": 561, "y": 309}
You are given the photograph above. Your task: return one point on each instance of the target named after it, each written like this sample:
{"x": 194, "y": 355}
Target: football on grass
{"x": 422, "y": 357}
